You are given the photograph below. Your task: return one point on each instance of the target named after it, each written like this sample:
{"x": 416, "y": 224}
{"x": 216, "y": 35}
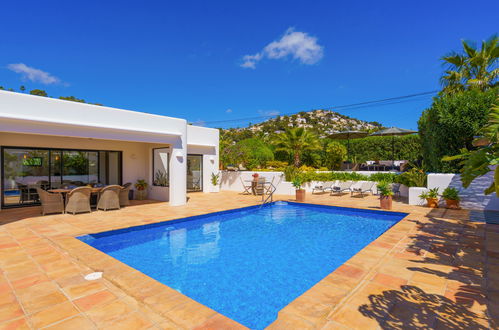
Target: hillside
{"x": 321, "y": 122}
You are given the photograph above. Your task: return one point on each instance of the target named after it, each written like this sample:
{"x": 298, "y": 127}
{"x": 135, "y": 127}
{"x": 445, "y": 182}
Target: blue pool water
{"x": 247, "y": 264}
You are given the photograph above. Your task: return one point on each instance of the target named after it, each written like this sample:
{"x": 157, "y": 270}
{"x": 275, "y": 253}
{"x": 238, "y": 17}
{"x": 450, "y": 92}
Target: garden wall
{"x": 471, "y": 198}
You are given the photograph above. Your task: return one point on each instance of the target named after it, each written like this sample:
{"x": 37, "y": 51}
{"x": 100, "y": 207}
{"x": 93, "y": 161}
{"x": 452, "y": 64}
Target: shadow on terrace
{"x": 449, "y": 246}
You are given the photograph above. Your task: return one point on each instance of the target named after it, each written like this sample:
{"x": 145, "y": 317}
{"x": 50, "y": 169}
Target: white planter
{"x": 414, "y": 193}
{"x": 215, "y": 189}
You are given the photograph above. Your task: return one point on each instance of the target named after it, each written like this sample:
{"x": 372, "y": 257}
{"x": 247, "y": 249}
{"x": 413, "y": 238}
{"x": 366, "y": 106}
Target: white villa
{"x": 48, "y": 142}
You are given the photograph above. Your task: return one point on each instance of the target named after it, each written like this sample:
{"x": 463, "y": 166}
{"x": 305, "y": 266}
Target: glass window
{"x": 24, "y": 170}
{"x": 194, "y": 172}
{"x": 160, "y": 167}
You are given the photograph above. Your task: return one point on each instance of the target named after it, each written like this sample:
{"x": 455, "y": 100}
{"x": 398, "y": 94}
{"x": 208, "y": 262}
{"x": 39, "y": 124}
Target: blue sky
{"x": 187, "y": 58}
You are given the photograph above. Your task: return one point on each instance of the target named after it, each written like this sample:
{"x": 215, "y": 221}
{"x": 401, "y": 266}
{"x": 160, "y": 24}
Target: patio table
{"x": 254, "y": 183}
{"x": 65, "y": 191}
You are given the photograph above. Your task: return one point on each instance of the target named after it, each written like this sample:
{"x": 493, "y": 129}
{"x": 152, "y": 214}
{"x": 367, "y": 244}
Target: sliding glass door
{"x": 194, "y": 172}
{"x": 26, "y": 169}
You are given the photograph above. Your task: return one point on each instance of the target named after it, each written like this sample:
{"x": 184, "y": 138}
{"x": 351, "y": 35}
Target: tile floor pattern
{"x": 434, "y": 269}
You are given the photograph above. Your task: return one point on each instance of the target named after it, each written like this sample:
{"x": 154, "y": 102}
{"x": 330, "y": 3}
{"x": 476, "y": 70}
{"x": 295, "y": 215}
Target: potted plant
{"x": 431, "y": 197}
{"x": 215, "y": 179}
{"x": 451, "y": 196}
{"x": 385, "y": 195}
{"x": 141, "y": 186}
{"x": 300, "y": 193}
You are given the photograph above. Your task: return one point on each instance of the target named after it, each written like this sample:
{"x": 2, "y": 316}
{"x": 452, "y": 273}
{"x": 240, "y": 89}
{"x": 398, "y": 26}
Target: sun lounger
{"x": 341, "y": 187}
{"x": 325, "y": 186}
{"x": 366, "y": 186}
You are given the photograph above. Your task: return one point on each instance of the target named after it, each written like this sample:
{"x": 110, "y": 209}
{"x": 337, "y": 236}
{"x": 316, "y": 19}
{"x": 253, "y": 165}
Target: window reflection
{"x": 25, "y": 169}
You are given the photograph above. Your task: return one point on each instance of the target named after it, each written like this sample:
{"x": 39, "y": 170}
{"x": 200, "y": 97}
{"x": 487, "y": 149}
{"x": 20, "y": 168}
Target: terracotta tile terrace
{"x": 433, "y": 269}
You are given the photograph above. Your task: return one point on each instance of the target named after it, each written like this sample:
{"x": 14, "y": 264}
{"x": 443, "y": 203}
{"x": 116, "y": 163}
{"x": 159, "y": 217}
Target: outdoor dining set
{"x": 79, "y": 199}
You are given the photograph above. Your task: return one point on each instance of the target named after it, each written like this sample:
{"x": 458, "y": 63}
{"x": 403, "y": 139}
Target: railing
{"x": 270, "y": 190}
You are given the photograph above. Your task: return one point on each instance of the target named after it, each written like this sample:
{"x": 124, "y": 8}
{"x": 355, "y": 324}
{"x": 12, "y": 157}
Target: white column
{"x": 178, "y": 171}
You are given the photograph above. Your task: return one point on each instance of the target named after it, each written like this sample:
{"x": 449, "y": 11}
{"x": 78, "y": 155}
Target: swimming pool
{"x": 249, "y": 263}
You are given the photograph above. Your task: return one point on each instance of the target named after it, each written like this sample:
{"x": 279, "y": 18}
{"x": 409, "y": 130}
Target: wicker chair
{"x": 109, "y": 198}
{"x": 78, "y": 200}
{"x": 51, "y": 202}
{"x": 124, "y": 201}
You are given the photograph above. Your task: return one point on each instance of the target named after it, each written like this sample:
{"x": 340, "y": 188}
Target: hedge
{"x": 406, "y": 147}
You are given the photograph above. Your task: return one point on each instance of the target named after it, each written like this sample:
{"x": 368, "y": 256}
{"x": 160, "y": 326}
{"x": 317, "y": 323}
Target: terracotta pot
{"x": 452, "y": 204}
{"x": 300, "y": 195}
{"x": 385, "y": 202}
{"x": 432, "y": 202}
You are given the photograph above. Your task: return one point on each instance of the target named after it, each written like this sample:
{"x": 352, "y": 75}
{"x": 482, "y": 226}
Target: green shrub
{"x": 451, "y": 194}
{"x": 415, "y": 177}
{"x": 291, "y": 172}
{"x": 380, "y": 148}
{"x": 335, "y": 155}
{"x": 276, "y": 165}
{"x": 432, "y": 193}
{"x": 383, "y": 177}
{"x": 384, "y": 188}
{"x": 450, "y": 125}
{"x": 256, "y": 152}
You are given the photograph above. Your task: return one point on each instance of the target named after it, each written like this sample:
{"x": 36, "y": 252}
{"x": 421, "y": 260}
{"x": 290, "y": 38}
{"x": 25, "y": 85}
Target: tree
{"x": 38, "y": 92}
{"x": 472, "y": 68}
{"x": 256, "y": 152}
{"x": 72, "y": 98}
{"x": 22, "y": 88}
{"x": 479, "y": 162}
{"x": 450, "y": 124}
{"x": 335, "y": 154}
{"x": 295, "y": 142}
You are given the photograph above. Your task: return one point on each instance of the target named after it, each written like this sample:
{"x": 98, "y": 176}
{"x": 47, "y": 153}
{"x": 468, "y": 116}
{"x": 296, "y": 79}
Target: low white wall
{"x": 472, "y": 197}
{"x": 231, "y": 180}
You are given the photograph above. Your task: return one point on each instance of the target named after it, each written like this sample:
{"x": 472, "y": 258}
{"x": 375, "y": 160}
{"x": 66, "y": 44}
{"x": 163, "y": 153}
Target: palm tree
{"x": 295, "y": 142}
{"x": 473, "y": 68}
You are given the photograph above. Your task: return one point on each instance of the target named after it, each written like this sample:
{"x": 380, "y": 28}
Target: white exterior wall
{"x": 472, "y": 197}
{"x": 34, "y": 121}
{"x": 202, "y": 140}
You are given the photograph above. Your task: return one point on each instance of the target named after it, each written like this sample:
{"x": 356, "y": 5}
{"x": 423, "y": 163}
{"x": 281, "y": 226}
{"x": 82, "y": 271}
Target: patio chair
{"x": 247, "y": 187}
{"x": 396, "y": 189}
{"x": 124, "y": 192}
{"x": 78, "y": 200}
{"x": 341, "y": 187}
{"x": 326, "y": 185}
{"x": 365, "y": 187}
{"x": 51, "y": 202}
{"x": 260, "y": 186}
{"x": 109, "y": 198}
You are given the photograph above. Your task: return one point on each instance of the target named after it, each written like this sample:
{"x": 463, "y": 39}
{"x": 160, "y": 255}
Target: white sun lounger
{"x": 365, "y": 187}
{"x": 325, "y": 186}
{"x": 341, "y": 187}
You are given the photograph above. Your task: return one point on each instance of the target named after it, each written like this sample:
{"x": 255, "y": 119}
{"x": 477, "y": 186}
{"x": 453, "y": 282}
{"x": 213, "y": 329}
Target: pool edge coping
{"x": 125, "y": 276}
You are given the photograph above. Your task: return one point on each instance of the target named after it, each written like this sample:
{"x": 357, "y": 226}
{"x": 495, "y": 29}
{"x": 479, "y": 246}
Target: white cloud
{"x": 269, "y": 113}
{"x": 228, "y": 111}
{"x": 35, "y": 75}
{"x": 297, "y": 45}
